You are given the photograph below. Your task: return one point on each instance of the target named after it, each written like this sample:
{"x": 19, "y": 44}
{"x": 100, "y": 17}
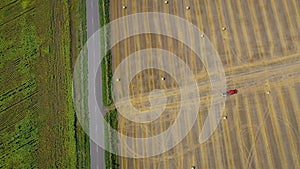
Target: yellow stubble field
{"x": 259, "y": 46}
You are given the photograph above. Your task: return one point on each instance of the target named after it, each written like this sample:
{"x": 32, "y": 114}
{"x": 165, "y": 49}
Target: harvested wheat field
{"x": 259, "y": 45}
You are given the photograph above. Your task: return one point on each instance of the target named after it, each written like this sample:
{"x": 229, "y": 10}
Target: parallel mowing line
{"x": 235, "y": 35}
{"x": 292, "y": 22}
{"x": 137, "y": 88}
{"x": 134, "y": 41}
{"x": 169, "y": 27}
{"x": 231, "y": 42}
{"x": 203, "y": 20}
{"x": 217, "y": 143}
{"x": 190, "y": 142}
{"x": 192, "y": 62}
{"x": 189, "y": 58}
{"x": 162, "y": 122}
{"x": 181, "y": 33}
{"x": 203, "y": 23}
{"x": 137, "y": 39}
{"x": 121, "y": 123}
{"x": 297, "y": 11}
{"x": 204, "y": 159}
{"x": 116, "y": 50}
{"x": 193, "y": 58}
{"x": 228, "y": 141}
{"x": 170, "y": 40}
{"x": 253, "y": 43}
{"x": 245, "y": 33}
{"x": 147, "y": 39}
{"x": 152, "y": 80}
{"x": 194, "y": 67}
{"x": 191, "y": 55}
{"x": 238, "y": 133}
{"x": 218, "y": 29}
{"x": 287, "y": 26}
{"x": 211, "y": 24}
{"x": 263, "y": 131}
{"x": 179, "y": 146}
{"x": 276, "y": 130}
{"x": 295, "y": 103}
{"x": 135, "y": 135}
{"x": 272, "y": 21}
{"x": 228, "y": 146}
{"x": 199, "y": 23}
{"x": 280, "y": 27}
{"x": 297, "y": 4}
{"x": 163, "y": 128}
{"x": 256, "y": 24}
{"x": 217, "y": 153}
{"x": 141, "y": 84}
{"x": 126, "y": 42}
{"x": 115, "y": 65}
{"x": 124, "y": 160}
{"x": 146, "y": 130}
{"x": 159, "y": 44}
{"x": 267, "y": 26}
{"x": 293, "y": 148}
{"x": 252, "y": 134}
{"x": 223, "y": 34}
{"x": 126, "y": 53}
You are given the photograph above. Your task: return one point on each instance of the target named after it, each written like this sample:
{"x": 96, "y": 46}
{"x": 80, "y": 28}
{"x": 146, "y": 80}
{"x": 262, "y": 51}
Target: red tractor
{"x": 230, "y": 92}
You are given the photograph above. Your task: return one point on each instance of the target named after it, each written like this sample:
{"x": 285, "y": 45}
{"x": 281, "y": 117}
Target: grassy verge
{"x": 106, "y": 65}
{"x": 111, "y": 160}
{"x": 106, "y": 79}
{"x": 82, "y": 139}
{"x": 38, "y": 47}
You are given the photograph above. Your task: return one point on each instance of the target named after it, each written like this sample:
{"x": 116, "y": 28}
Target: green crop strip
{"x": 39, "y": 42}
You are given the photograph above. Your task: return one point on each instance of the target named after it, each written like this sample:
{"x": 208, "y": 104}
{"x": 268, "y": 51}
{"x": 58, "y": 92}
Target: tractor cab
{"x": 230, "y": 92}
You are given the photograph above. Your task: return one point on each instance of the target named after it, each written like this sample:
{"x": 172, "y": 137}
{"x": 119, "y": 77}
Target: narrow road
{"x": 92, "y": 17}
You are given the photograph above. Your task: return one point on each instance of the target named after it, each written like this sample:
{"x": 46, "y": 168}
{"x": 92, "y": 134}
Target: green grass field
{"x": 39, "y": 43}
